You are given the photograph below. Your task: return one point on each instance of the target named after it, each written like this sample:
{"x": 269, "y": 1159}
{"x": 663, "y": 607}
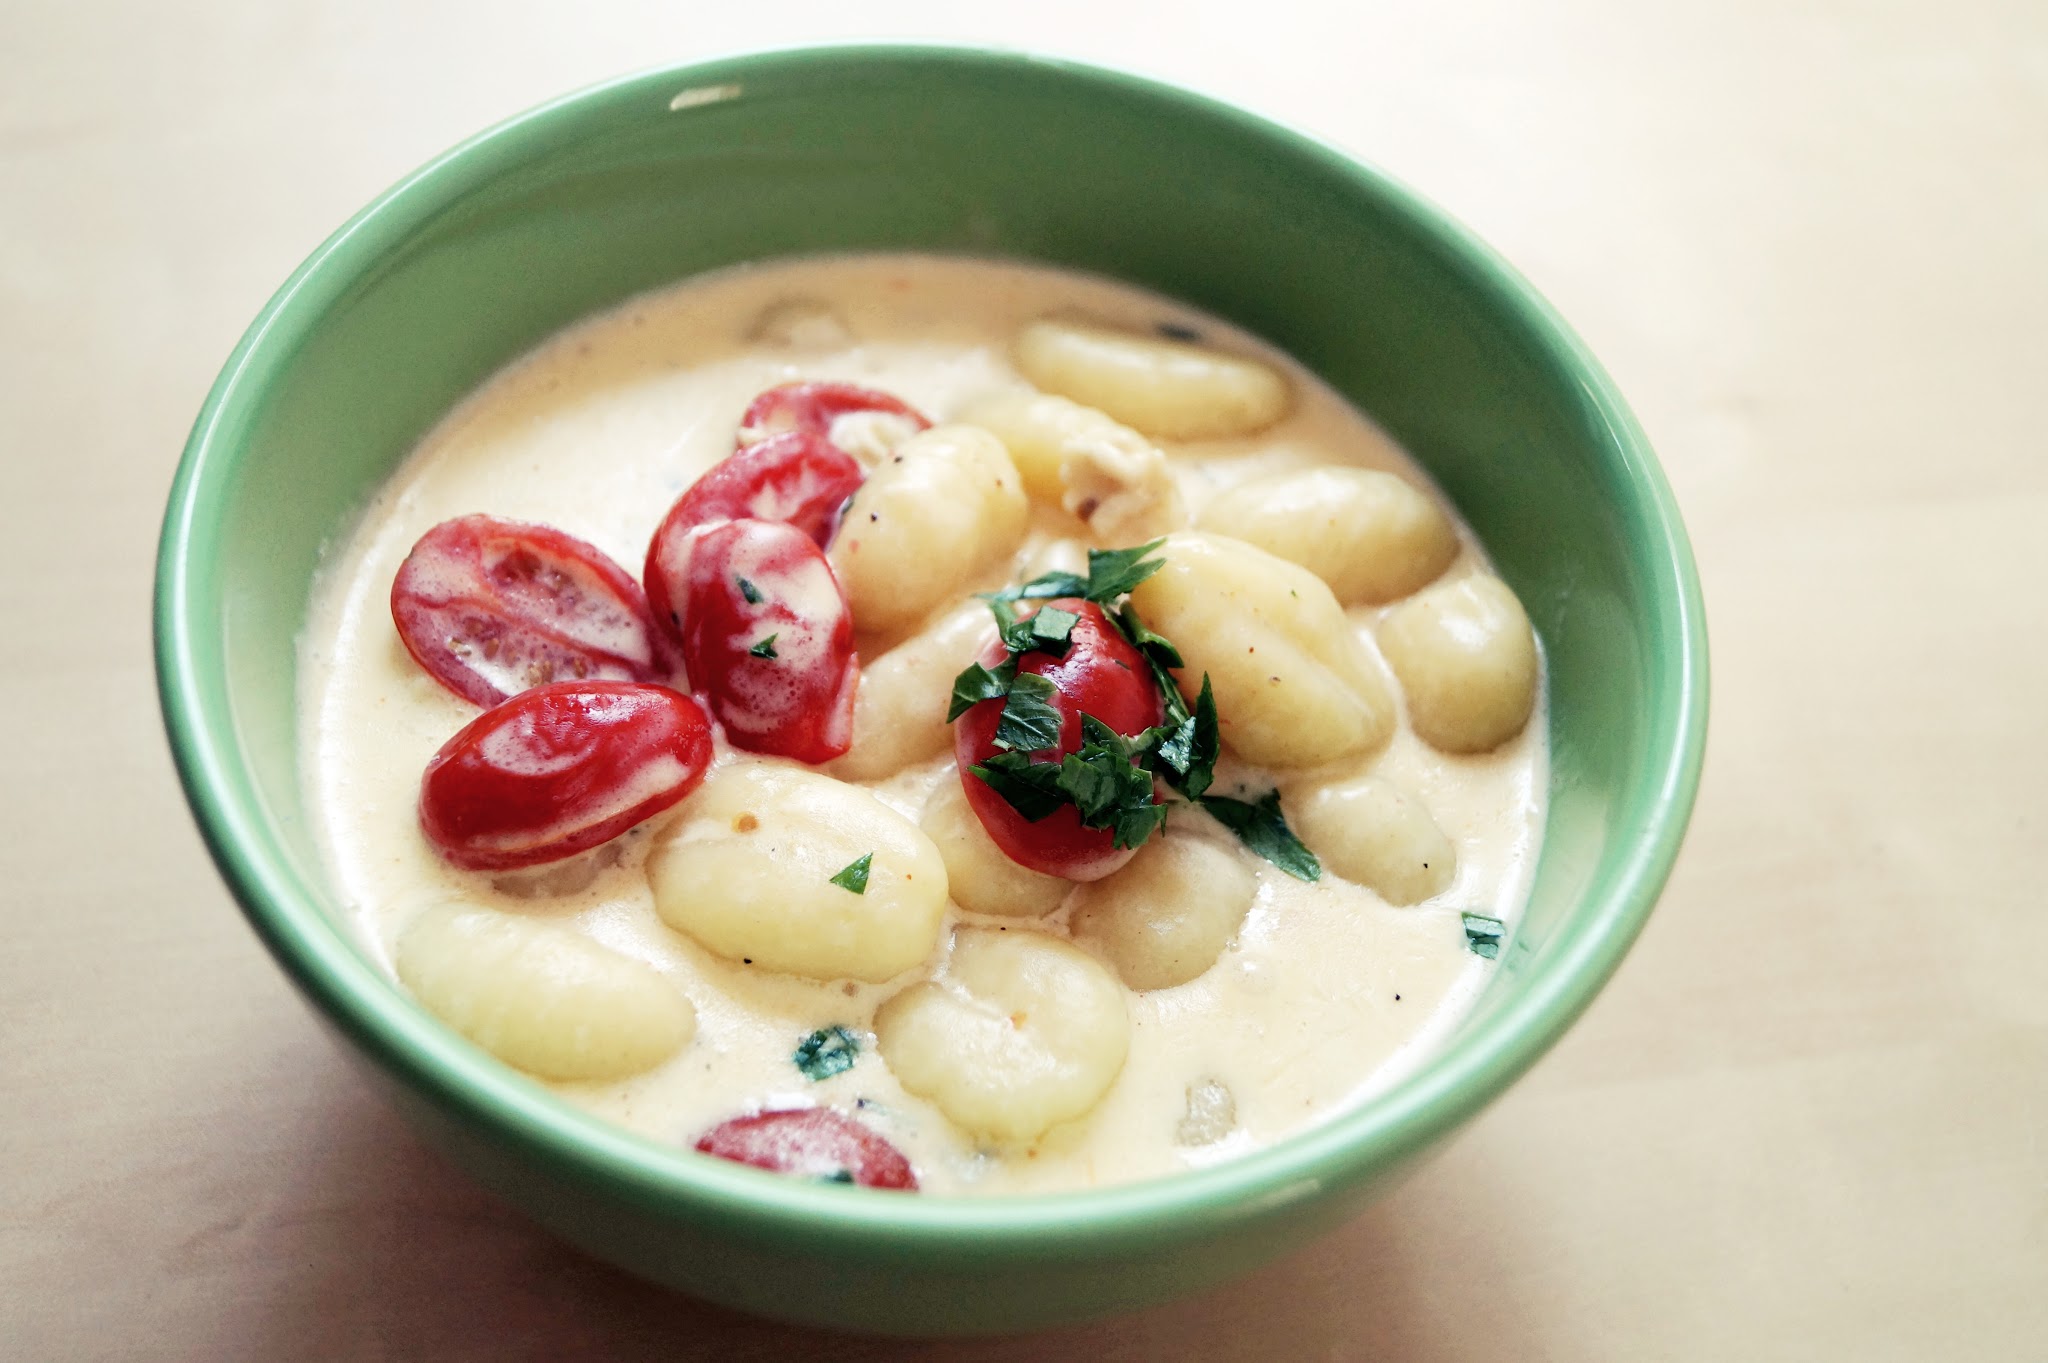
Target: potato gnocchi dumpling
{"x": 1168, "y": 914}
{"x": 1021, "y": 1033}
{"x": 897, "y": 555}
{"x": 1294, "y": 686}
{"x": 1371, "y": 536}
{"x": 979, "y": 874}
{"x": 899, "y": 712}
{"x": 540, "y": 996}
{"x": 1169, "y": 390}
{"x": 1104, "y": 474}
{"x": 748, "y": 872}
{"x": 1466, "y": 659}
{"x": 1367, "y": 830}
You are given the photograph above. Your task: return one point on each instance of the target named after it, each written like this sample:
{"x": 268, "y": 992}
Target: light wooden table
{"x": 1811, "y": 242}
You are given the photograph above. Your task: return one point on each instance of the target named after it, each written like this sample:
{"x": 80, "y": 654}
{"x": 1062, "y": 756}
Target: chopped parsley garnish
{"x": 1043, "y": 588}
{"x": 1189, "y": 751}
{"x": 978, "y": 684}
{"x": 1031, "y": 788}
{"x": 1113, "y": 572}
{"x": 840, "y": 1175}
{"x": 1154, "y": 646}
{"x": 1483, "y": 934}
{"x": 1109, "y": 778}
{"x": 1110, "y": 783}
{"x": 1052, "y": 625}
{"x": 766, "y": 648}
{"x": 750, "y": 592}
{"x": 855, "y": 876}
{"x": 826, "y": 1052}
{"x": 1031, "y": 722}
{"x": 1260, "y": 827}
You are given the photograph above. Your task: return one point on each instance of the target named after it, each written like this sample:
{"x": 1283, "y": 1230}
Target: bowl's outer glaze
{"x": 632, "y": 185}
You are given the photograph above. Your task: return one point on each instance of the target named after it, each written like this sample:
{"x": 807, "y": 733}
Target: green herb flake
{"x": 1146, "y": 639}
{"x": 1260, "y": 827}
{"x": 1031, "y": 722}
{"x": 1483, "y": 934}
{"x": 1053, "y": 626}
{"x": 977, "y": 684}
{"x": 1190, "y": 750}
{"x": 1048, "y": 630}
{"x": 1113, "y": 572}
{"x": 1109, "y": 788}
{"x": 1042, "y": 588}
{"x": 1135, "y": 824}
{"x": 766, "y": 648}
{"x": 855, "y": 876}
{"x": 750, "y": 592}
{"x": 1030, "y": 788}
{"x": 840, "y": 1175}
{"x": 1160, "y": 655}
{"x": 826, "y": 1052}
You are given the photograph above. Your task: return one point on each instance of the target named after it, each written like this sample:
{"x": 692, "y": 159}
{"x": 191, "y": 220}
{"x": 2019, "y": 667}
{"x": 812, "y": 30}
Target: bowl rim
{"x": 353, "y": 994}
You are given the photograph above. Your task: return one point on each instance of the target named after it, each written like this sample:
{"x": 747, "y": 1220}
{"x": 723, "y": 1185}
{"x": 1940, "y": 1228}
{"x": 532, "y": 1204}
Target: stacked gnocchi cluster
{"x": 1049, "y": 875}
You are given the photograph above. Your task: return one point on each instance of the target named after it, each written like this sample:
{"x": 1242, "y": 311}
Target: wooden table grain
{"x": 1811, "y": 242}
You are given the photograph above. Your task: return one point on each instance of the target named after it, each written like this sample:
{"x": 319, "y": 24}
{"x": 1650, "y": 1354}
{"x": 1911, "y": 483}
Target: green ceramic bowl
{"x": 637, "y": 183}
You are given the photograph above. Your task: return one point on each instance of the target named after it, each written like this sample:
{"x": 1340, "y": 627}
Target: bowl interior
{"x": 577, "y": 205}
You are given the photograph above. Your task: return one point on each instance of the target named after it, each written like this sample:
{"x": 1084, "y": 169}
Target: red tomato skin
{"x": 560, "y": 768}
{"x": 490, "y": 607}
{"x": 814, "y": 1142}
{"x": 1101, "y": 674}
{"x": 797, "y": 476}
{"x": 798, "y": 703}
{"x": 813, "y": 407}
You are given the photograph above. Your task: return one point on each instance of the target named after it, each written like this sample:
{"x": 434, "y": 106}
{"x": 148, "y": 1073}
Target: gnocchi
{"x": 1466, "y": 659}
{"x": 1371, "y": 536}
{"x": 899, "y": 712}
{"x": 897, "y": 561}
{"x": 1294, "y": 686}
{"x": 540, "y": 996}
{"x": 1105, "y": 475}
{"x": 981, "y": 877}
{"x": 1166, "y": 916}
{"x": 1170, "y": 390}
{"x": 1021, "y": 1033}
{"x": 1367, "y": 830}
{"x": 748, "y": 872}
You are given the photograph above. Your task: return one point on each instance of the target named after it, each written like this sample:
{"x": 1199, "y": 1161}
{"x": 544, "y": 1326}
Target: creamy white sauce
{"x": 1327, "y": 994}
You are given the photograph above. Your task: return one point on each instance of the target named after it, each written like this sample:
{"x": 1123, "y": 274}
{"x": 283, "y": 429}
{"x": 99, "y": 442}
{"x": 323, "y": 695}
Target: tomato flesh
{"x": 766, "y": 635}
{"x": 814, "y": 407}
{"x": 811, "y": 1142}
{"x": 796, "y": 476}
{"x": 1100, "y": 674}
{"x": 492, "y": 607}
{"x": 560, "y": 768}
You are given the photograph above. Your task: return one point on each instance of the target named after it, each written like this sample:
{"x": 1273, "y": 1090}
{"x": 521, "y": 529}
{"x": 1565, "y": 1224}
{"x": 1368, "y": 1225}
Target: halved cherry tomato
{"x": 796, "y": 477}
{"x": 811, "y": 1142}
{"x": 1100, "y": 674}
{"x": 766, "y": 635}
{"x": 559, "y": 769}
{"x": 491, "y": 607}
{"x": 813, "y": 407}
